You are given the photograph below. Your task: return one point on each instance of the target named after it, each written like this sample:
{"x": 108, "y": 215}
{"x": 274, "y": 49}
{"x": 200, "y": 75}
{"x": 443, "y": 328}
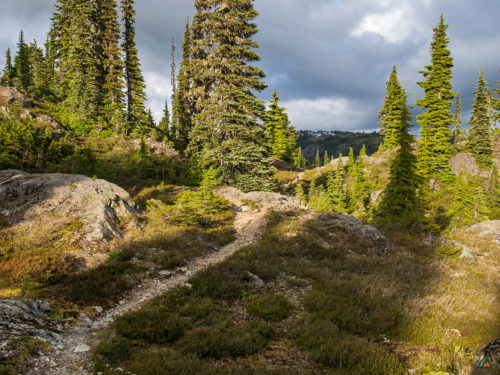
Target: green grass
{"x": 271, "y": 307}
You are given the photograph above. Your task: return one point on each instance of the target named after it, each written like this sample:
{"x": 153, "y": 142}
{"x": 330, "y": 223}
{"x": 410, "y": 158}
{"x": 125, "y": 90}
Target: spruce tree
{"x": 326, "y": 160}
{"x": 457, "y": 130}
{"x": 297, "y": 159}
{"x": 22, "y": 64}
{"x": 227, "y": 133}
{"x": 282, "y": 136}
{"x": 479, "y": 137}
{"x": 164, "y": 124}
{"x": 8, "y": 71}
{"x": 435, "y": 148}
{"x": 181, "y": 104}
{"x": 110, "y": 64}
{"x": 351, "y": 161}
{"x": 400, "y": 198}
{"x": 336, "y": 188}
{"x": 391, "y": 112}
{"x": 317, "y": 160}
{"x": 493, "y": 192}
{"x": 136, "y": 96}
{"x": 172, "y": 68}
{"x": 300, "y": 193}
{"x": 360, "y": 192}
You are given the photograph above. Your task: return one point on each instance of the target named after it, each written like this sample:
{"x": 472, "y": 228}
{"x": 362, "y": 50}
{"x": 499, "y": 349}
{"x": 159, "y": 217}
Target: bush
{"x": 272, "y": 307}
{"x": 115, "y": 350}
{"x": 227, "y": 339}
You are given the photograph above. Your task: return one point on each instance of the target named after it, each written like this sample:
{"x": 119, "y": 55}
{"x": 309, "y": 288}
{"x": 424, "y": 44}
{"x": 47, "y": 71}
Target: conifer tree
{"x": 457, "y": 130}
{"x": 479, "y": 137}
{"x": 297, "y": 160}
{"x": 72, "y": 46}
{"x": 22, "y": 64}
{"x": 469, "y": 204}
{"x": 110, "y": 64}
{"x": 282, "y": 136}
{"x": 435, "y": 149}
{"x": 8, "y": 71}
{"x": 172, "y": 68}
{"x": 336, "y": 188}
{"x": 491, "y": 108}
{"x": 300, "y": 193}
{"x": 493, "y": 192}
{"x": 227, "y": 133}
{"x": 136, "y": 96}
{"x": 391, "y": 112}
{"x": 181, "y": 104}
{"x": 362, "y": 153}
{"x": 164, "y": 124}
{"x": 317, "y": 160}
{"x": 497, "y": 102}
{"x": 360, "y": 192}
{"x": 326, "y": 159}
{"x": 351, "y": 161}
{"x": 400, "y": 198}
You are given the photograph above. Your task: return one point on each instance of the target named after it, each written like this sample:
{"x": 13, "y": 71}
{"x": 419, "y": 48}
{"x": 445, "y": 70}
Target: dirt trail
{"x": 71, "y": 354}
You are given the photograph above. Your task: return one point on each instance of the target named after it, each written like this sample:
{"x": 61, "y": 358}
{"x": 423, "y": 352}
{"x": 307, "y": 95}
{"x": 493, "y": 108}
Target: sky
{"x": 328, "y": 59}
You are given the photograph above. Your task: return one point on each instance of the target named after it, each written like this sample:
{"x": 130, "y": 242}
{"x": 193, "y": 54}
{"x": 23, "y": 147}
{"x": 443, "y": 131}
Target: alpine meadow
{"x": 249, "y": 187}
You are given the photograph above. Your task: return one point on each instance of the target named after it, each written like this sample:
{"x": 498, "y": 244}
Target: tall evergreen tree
{"x": 317, "y": 160}
{"x": 227, "y": 133}
{"x": 72, "y": 46}
{"x": 172, "y": 68}
{"x": 479, "y": 137}
{"x": 22, "y": 64}
{"x": 391, "y": 112}
{"x": 326, "y": 160}
{"x": 435, "y": 148}
{"x": 336, "y": 188}
{"x": 457, "y": 130}
{"x": 282, "y": 136}
{"x": 110, "y": 64}
{"x": 493, "y": 192}
{"x": 136, "y": 95}
{"x": 8, "y": 71}
{"x": 181, "y": 104}
{"x": 400, "y": 201}
{"x": 164, "y": 124}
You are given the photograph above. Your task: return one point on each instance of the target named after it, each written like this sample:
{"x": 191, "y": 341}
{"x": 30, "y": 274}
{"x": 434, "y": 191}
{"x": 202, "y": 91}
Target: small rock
{"x": 81, "y": 348}
{"x": 183, "y": 269}
{"x": 122, "y": 302}
{"x": 165, "y": 273}
{"x": 245, "y": 209}
{"x": 98, "y": 309}
{"x": 187, "y": 285}
{"x": 189, "y": 273}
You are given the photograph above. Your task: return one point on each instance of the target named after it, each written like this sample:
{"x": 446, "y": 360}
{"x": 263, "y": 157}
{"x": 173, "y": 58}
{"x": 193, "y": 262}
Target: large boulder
{"x": 487, "y": 230}
{"x": 97, "y": 204}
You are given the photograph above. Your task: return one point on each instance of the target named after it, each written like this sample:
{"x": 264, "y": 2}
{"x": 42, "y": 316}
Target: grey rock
{"x": 257, "y": 282}
{"x": 81, "y": 348}
{"x": 98, "y": 309}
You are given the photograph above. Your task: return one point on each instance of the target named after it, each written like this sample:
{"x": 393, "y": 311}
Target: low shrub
{"x": 272, "y": 307}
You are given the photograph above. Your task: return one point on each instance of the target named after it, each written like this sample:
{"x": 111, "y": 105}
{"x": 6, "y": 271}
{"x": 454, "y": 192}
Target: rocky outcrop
{"x": 261, "y": 200}
{"x": 157, "y": 148}
{"x": 25, "y": 318}
{"x": 97, "y": 204}
{"x": 487, "y": 230}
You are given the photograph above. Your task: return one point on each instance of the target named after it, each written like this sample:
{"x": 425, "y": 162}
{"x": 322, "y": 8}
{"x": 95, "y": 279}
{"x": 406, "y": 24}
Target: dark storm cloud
{"x": 329, "y": 59}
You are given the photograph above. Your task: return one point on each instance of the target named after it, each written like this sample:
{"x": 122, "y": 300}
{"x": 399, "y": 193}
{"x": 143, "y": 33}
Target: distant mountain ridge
{"x": 336, "y": 142}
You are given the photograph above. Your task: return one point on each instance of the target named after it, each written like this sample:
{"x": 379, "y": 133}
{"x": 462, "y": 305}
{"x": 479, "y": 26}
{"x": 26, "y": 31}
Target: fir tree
{"x": 362, "y": 153}
{"x": 469, "y": 204}
{"x": 110, "y": 64}
{"x": 360, "y": 193}
{"x": 136, "y": 96}
{"x": 391, "y": 112}
{"x": 8, "y": 71}
{"x": 336, "y": 188}
{"x": 227, "y": 132}
{"x": 282, "y": 136}
{"x": 317, "y": 160}
{"x": 435, "y": 149}
{"x": 493, "y": 192}
{"x": 479, "y": 137}
{"x": 164, "y": 124}
{"x": 351, "y": 161}
{"x": 491, "y": 108}
{"x": 326, "y": 160}
{"x": 457, "y": 130}
{"x": 22, "y": 64}
{"x": 172, "y": 68}
{"x": 300, "y": 193}
{"x": 181, "y": 105}
{"x": 297, "y": 160}
{"x": 400, "y": 198}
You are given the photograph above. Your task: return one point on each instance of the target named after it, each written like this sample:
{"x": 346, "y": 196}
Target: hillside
{"x": 336, "y": 142}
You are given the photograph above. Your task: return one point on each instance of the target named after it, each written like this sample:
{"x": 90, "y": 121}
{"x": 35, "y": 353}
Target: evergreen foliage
{"x": 282, "y": 136}
{"x": 493, "y": 192}
{"x": 317, "y": 160}
{"x": 336, "y": 188}
{"x": 135, "y": 87}
{"x": 22, "y": 64}
{"x": 457, "y": 130}
{"x": 164, "y": 125}
{"x": 435, "y": 149}
{"x": 392, "y": 111}
{"x": 400, "y": 198}
{"x": 326, "y": 159}
{"x": 9, "y": 72}
{"x": 181, "y": 104}
{"x": 227, "y": 133}
{"x": 469, "y": 204}
{"x": 298, "y": 158}
{"x": 360, "y": 192}
{"x": 479, "y": 137}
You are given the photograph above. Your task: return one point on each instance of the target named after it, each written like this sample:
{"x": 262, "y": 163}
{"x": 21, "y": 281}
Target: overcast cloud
{"x": 328, "y": 59}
